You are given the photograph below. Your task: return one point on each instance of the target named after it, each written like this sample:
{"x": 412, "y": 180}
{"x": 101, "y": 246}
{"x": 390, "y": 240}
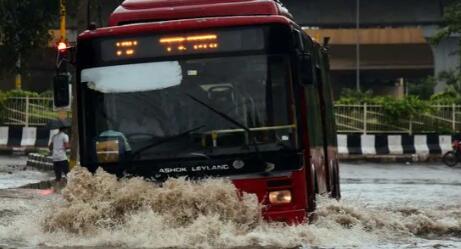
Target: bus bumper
{"x": 290, "y": 217}
{"x": 294, "y": 212}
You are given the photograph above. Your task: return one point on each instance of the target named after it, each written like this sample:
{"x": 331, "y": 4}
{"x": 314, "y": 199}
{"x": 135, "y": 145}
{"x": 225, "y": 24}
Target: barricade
{"x": 391, "y": 144}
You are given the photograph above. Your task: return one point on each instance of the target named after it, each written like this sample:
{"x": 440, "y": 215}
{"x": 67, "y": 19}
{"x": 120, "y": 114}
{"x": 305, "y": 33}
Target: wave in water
{"x": 100, "y": 210}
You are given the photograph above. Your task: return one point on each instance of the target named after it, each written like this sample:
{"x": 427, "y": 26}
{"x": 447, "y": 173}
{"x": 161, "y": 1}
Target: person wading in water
{"x": 58, "y": 146}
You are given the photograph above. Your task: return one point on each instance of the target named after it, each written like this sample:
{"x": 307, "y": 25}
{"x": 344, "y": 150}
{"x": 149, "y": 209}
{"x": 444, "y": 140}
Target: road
{"x": 14, "y": 173}
{"x": 384, "y": 206}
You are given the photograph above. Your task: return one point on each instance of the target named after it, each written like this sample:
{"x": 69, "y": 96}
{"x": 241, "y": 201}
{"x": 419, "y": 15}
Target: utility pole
{"x": 62, "y": 68}
{"x": 62, "y": 20}
{"x": 357, "y": 45}
{"x": 18, "y": 78}
{"x": 74, "y": 127}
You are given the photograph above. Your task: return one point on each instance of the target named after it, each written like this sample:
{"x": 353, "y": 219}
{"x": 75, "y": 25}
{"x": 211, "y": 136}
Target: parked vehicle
{"x": 451, "y": 158}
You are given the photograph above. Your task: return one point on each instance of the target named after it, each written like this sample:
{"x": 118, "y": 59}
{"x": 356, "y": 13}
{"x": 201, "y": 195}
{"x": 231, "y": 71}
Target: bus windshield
{"x": 155, "y": 103}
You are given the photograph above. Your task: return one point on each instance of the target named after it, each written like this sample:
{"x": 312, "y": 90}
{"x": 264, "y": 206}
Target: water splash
{"x": 104, "y": 202}
{"x": 100, "y": 210}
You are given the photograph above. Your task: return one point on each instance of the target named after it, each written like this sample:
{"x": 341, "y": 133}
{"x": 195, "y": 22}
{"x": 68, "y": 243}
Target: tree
{"x": 24, "y": 26}
{"x": 423, "y": 88}
{"x": 451, "y": 26}
{"x": 451, "y": 22}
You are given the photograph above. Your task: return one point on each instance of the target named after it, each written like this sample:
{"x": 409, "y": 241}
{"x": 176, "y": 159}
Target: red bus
{"x": 210, "y": 88}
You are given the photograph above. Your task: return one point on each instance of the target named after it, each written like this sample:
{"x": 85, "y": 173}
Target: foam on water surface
{"x": 102, "y": 211}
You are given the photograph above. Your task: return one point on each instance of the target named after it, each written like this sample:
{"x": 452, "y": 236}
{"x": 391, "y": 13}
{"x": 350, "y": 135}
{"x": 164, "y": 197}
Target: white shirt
{"x": 59, "y": 151}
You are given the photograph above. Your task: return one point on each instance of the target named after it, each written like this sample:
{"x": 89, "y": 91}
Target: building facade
{"x": 386, "y": 41}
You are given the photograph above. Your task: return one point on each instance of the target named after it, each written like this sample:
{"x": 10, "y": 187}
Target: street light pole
{"x": 62, "y": 19}
{"x": 357, "y": 45}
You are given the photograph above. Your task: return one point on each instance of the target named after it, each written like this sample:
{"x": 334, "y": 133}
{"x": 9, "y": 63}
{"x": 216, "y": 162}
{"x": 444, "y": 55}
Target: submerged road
{"x": 14, "y": 172}
{"x": 384, "y": 206}
{"x": 419, "y": 185}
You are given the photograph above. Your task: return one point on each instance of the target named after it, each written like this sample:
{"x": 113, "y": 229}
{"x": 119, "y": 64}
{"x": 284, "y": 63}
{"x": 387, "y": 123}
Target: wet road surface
{"x": 14, "y": 172}
{"x": 419, "y": 185}
{"x": 384, "y": 206}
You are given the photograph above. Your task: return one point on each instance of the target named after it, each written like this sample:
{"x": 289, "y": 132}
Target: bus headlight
{"x": 280, "y": 197}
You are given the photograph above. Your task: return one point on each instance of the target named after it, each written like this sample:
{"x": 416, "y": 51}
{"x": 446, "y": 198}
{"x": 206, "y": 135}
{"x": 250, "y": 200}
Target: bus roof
{"x": 137, "y": 11}
{"x": 181, "y": 25}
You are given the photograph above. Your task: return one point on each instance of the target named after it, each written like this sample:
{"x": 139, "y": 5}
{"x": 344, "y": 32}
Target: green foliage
{"x": 453, "y": 81}
{"x": 408, "y": 107}
{"x": 2, "y": 105}
{"x": 452, "y": 25}
{"x": 24, "y": 26}
{"x": 9, "y": 94}
{"x": 351, "y": 97}
{"x": 445, "y": 98}
{"x": 424, "y": 89}
{"x": 452, "y": 93}
{"x": 452, "y": 22}
{"x": 47, "y": 94}
{"x": 393, "y": 109}
{"x": 20, "y": 93}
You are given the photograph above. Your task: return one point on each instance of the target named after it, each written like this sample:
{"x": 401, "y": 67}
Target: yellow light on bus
{"x": 130, "y": 52}
{"x": 201, "y": 37}
{"x": 180, "y": 39}
{"x": 172, "y": 39}
{"x": 191, "y": 42}
{"x": 127, "y": 44}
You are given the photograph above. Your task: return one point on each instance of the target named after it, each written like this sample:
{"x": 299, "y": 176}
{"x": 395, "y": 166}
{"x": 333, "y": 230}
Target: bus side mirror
{"x": 61, "y": 90}
{"x": 305, "y": 70}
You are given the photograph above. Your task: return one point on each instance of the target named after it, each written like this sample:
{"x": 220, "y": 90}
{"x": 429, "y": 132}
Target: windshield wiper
{"x": 166, "y": 140}
{"x": 235, "y": 122}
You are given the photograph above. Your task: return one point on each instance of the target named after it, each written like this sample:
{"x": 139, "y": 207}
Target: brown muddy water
{"x": 391, "y": 206}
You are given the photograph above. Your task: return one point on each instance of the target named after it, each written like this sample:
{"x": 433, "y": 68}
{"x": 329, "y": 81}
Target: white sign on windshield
{"x": 133, "y": 77}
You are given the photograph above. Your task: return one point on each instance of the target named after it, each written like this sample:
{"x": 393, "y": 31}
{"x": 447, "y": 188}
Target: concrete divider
{"x": 24, "y": 138}
{"x": 421, "y": 146}
{"x": 342, "y": 144}
{"x": 382, "y": 144}
{"x": 40, "y": 161}
{"x": 4, "y": 136}
{"x": 368, "y": 144}
{"x": 395, "y": 144}
{"x": 445, "y": 143}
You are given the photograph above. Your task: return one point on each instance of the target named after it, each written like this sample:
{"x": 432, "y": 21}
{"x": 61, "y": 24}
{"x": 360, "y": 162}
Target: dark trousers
{"x": 60, "y": 168}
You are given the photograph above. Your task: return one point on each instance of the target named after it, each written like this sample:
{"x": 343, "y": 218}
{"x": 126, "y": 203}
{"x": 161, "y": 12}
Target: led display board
{"x": 174, "y": 44}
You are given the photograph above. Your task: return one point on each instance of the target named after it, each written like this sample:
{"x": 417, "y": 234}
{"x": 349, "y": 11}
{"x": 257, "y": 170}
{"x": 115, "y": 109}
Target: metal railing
{"x": 367, "y": 118}
{"x": 364, "y": 118}
{"x": 27, "y": 111}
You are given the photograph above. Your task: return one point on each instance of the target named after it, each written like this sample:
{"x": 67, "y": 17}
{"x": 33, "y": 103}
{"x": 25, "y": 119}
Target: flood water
{"x": 384, "y": 206}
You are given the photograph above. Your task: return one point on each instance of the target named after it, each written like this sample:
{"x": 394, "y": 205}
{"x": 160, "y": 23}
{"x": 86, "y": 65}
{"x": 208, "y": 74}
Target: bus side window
{"x": 306, "y": 59}
{"x": 315, "y": 129}
{"x": 330, "y": 120}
